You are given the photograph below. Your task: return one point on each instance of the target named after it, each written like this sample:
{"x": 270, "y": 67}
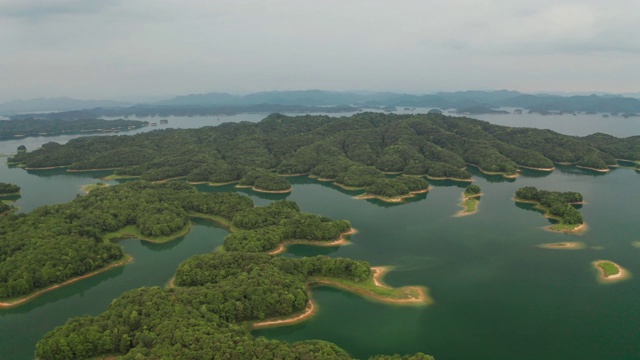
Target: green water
{"x": 497, "y": 296}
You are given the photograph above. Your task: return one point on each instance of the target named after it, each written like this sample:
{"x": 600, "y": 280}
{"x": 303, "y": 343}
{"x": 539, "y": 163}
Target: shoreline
{"x": 47, "y": 168}
{"x": 127, "y": 259}
{"x": 464, "y": 211}
{"x": 593, "y": 169}
{"x": 295, "y": 318}
{"x": 538, "y": 169}
{"x": 623, "y": 274}
{"x": 130, "y": 235}
{"x": 422, "y": 298}
{"x": 503, "y": 174}
{"x": 396, "y": 200}
{"x": 264, "y": 191}
{"x": 89, "y": 187}
{"x": 87, "y": 170}
{"x": 341, "y": 241}
{"x": 446, "y": 178}
{"x": 575, "y": 230}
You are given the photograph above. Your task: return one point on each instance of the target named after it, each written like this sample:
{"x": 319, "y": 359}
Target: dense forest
{"x": 8, "y": 189}
{"x": 556, "y": 203}
{"x": 354, "y": 151}
{"x": 202, "y": 317}
{"x": 58, "y": 242}
{"x": 396, "y": 187}
{"x": 40, "y": 127}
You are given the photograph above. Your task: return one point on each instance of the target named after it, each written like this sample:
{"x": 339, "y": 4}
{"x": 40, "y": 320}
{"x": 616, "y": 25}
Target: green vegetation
{"x": 261, "y": 179}
{"x": 89, "y": 188}
{"x": 556, "y": 204}
{"x": 470, "y": 205}
{"x": 400, "y": 186}
{"x": 608, "y": 268}
{"x": 8, "y": 189}
{"x": 38, "y": 127}
{"x": 5, "y": 207}
{"x": 353, "y": 151}
{"x": 55, "y": 243}
{"x": 471, "y": 190}
{"x": 203, "y": 316}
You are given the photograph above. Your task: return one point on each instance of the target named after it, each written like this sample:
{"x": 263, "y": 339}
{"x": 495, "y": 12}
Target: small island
{"x": 566, "y": 245}
{"x": 470, "y": 200}
{"x": 396, "y": 189}
{"x": 557, "y": 206}
{"x": 7, "y": 189}
{"x": 609, "y": 272}
{"x": 262, "y": 180}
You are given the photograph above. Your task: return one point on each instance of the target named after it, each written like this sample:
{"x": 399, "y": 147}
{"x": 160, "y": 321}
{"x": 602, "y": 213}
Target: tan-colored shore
{"x": 341, "y": 241}
{"x": 464, "y": 211}
{"x": 623, "y": 274}
{"x": 593, "y": 169}
{"x": 292, "y": 175}
{"x": 567, "y": 245}
{"x": 311, "y": 176}
{"x": 448, "y": 178}
{"x": 264, "y": 191}
{"x": 495, "y": 172}
{"x": 32, "y": 296}
{"x": 379, "y": 272}
{"x": 86, "y": 170}
{"x": 397, "y": 199}
{"x": 578, "y": 229}
{"x": 308, "y": 312}
{"x": 221, "y": 183}
{"x": 636, "y": 244}
{"x": 85, "y": 188}
{"x": 46, "y": 168}
{"x": 538, "y": 169}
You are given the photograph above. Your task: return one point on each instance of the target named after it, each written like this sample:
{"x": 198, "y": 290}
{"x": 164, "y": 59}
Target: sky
{"x": 143, "y": 49}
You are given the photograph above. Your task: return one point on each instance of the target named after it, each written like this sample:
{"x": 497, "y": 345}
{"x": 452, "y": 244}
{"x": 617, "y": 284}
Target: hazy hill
{"x": 55, "y": 104}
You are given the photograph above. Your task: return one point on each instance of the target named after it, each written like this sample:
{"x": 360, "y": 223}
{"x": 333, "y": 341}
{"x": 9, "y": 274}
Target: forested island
{"x": 556, "y": 205}
{"x": 353, "y": 151}
{"x": 53, "y": 244}
{"x": 395, "y": 189}
{"x": 470, "y": 200}
{"x": 9, "y": 189}
{"x": 215, "y": 298}
{"x": 49, "y": 127}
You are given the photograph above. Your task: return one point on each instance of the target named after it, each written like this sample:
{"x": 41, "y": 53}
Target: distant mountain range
{"x": 464, "y": 102}
{"x": 55, "y": 105}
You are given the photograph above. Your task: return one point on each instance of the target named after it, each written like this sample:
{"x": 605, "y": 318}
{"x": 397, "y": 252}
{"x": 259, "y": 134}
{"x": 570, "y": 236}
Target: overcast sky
{"x": 147, "y": 48}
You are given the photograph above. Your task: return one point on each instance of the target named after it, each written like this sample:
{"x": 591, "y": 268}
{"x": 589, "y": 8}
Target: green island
{"x": 353, "y": 151}
{"x": 556, "y": 205}
{"x": 470, "y": 200}
{"x": 7, "y": 189}
{"x": 216, "y": 298}
{"x": 609, "y": 272}
{"x": 396, "y": 189}
{"x": 73, "y": 239}
{"x": 49, "y": 127}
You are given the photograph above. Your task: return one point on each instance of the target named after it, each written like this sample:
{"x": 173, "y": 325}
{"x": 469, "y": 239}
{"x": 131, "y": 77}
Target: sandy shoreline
{"x": 398, "y": 199}
{"x": 448, "y": 178}
{"x": 623, "y": 274}
{"x": 308, "y": 312}
{"x": 578, "y": 229}
{"x": 264, "y": 191}
{"x": 495, "y": 172}
{"x": 342, "y": 240}
{"x": 464, "y": 211}
{"x": 378, "y": 273}
{"x": 567, "y": 245}
{"x": 32, "y": 296}
{"x": 593, "y": 169}
{"x": 85, "y": 188}
{"x": 538, "y": 169}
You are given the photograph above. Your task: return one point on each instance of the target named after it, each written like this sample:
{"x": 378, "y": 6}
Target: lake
{"x": 497, "y": 295}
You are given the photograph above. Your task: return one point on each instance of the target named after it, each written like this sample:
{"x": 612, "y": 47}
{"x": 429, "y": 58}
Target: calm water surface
{"x": 497, "y": 296}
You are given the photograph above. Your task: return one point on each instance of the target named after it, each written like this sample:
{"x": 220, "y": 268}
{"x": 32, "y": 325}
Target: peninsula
{"x": 555, "y": 205}
{"x": 470, "y": 200}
